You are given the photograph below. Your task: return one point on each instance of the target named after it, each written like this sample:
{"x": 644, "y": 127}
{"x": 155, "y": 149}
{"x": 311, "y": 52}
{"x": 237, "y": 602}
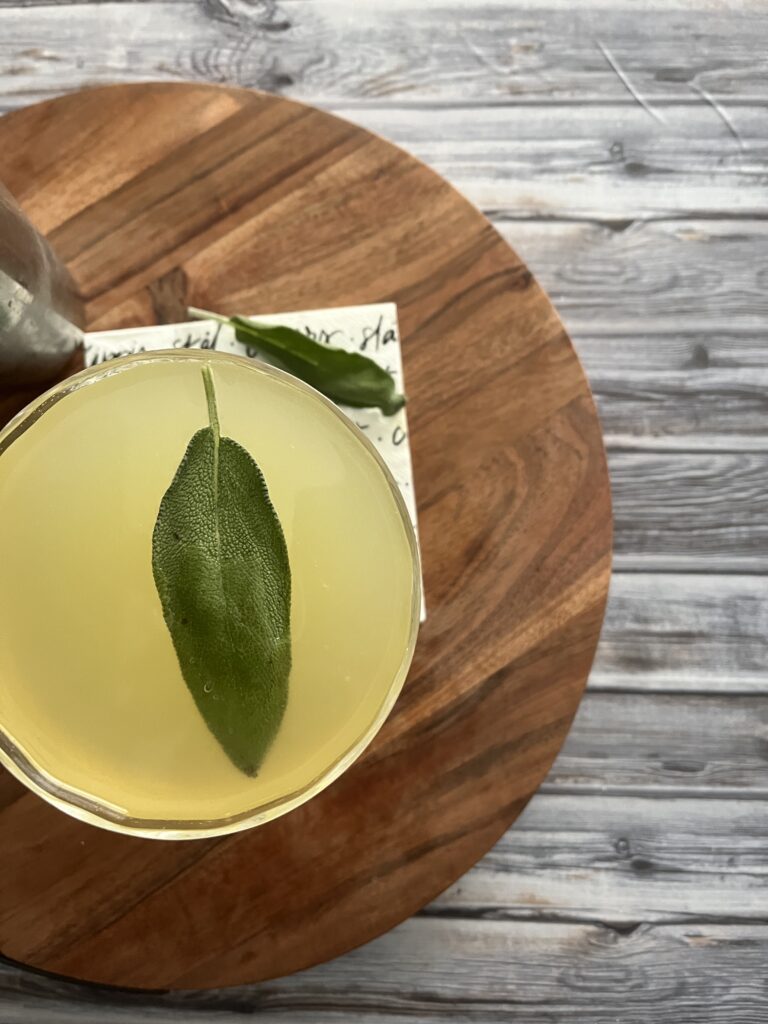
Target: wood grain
{"x": 615, "y": 161}
{"x": 690, "y": 633}
{"x": 406, "y": 52}
{"x": 669, "y": 319}
{"x": 621, "y": 860}
{"x": 252, "y": 202}
{"x": 699, "y": 410}
{"x": 704, "y": 511}
{"x": 666, "y": 744}
{"x": 632, "y": 278}
{"x": 643, "y": 977}
{"x": 474, "y": 971}
{"x": 612, "y": 162}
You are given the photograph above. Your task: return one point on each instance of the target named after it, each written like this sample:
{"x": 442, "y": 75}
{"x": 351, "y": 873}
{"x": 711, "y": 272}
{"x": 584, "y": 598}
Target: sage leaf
{"x": 346, "y": 377}
{"x": 221, "y": 570}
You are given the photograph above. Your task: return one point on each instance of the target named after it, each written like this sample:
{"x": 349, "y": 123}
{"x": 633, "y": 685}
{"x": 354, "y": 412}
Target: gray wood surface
{"x": 622, "y": 148}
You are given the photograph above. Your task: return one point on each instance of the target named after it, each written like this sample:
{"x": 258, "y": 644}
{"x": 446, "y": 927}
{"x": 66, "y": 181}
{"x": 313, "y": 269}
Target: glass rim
{"x": 85, "y": 806}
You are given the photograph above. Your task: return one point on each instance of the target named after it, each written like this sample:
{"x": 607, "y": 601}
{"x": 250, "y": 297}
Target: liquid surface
{"x": 90, "y": 688}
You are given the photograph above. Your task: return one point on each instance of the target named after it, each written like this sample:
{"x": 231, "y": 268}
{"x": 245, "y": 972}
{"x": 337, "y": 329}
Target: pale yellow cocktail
{"x": 94, "y": 712}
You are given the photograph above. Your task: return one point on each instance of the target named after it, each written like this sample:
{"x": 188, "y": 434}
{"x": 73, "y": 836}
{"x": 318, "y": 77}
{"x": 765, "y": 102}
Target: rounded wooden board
{"x": 158, "y": 195}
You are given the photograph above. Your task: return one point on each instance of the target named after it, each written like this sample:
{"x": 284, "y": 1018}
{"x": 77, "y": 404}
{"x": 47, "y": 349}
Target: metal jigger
{"x": 39, "y": 342}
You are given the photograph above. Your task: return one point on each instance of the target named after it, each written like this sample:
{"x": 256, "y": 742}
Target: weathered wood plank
{"x": 691, "y": 633}
{"x": 684, "y": 351}
{"x": 708, "y": 406}
{"x": 690, "y": 511}
{"x": 408, "y": 51}
{"x": 699, "y": 277}
{"x": 705, "y": 409}
{"x": 475, "y": 972}
{"x": 607, "y": 162}
{"x": 663, "y": 743}
{"x": 556, "y": 973}
{"x": 669, "y": 318}
{"x": 621, "y": 859}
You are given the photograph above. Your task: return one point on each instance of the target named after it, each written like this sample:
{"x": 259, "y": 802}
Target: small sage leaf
{"x": 346, "y": 377}
{"x": 221, "y": 569}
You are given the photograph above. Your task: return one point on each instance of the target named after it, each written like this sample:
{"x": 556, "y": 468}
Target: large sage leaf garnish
{"x": 221, "y": 569}
{"x": 346, "y": 377}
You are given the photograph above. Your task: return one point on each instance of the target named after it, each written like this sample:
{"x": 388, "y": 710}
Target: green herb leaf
{"x": 346, "y": 377}
{"x": 221, "y": 569}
